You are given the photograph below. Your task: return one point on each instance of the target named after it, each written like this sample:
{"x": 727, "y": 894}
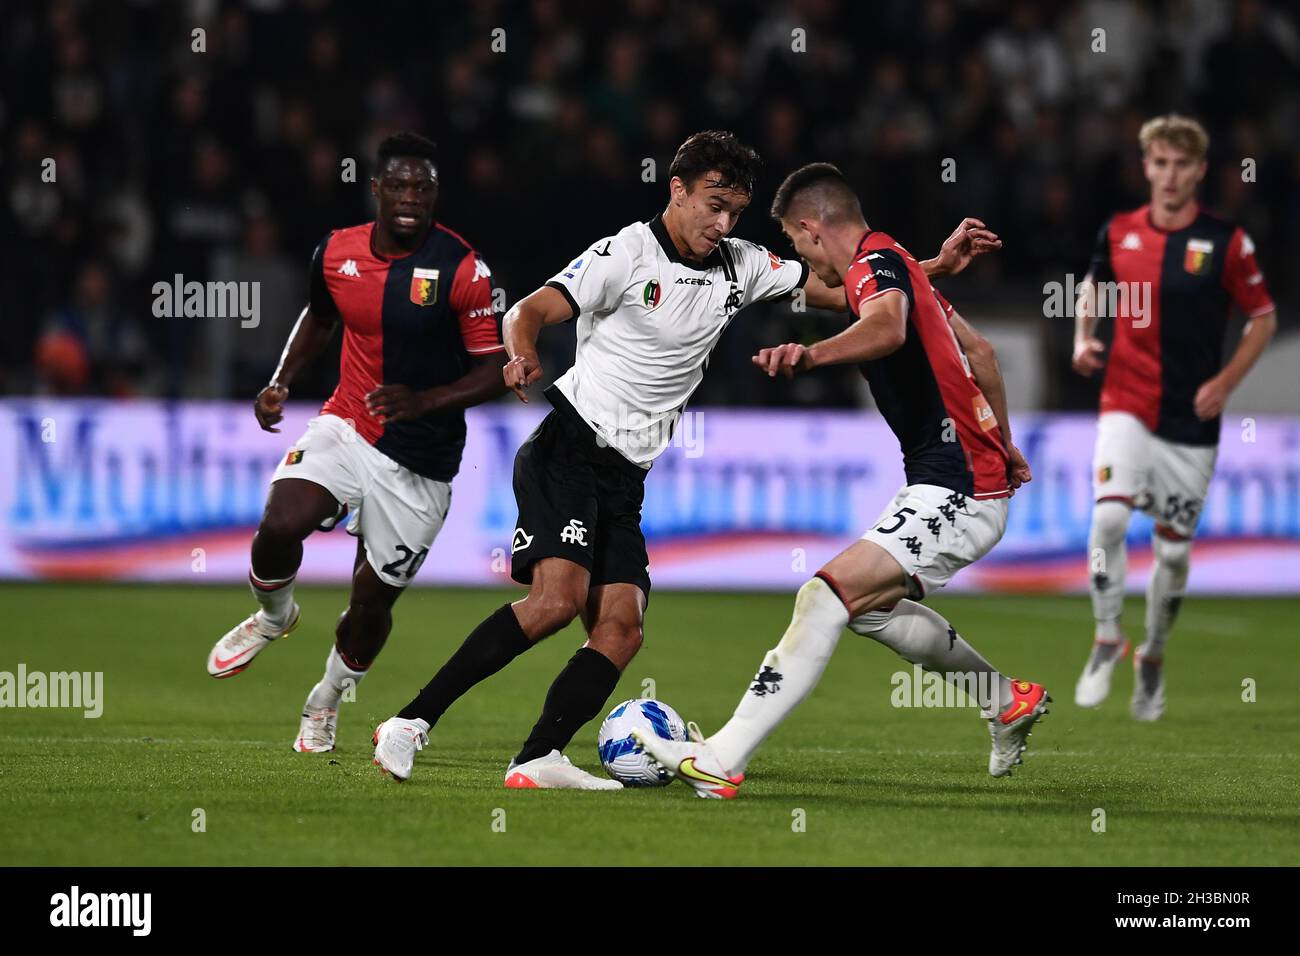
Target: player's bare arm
{"x": 482, "y": 383}
{"x": 983, "y": 360}
{"x": 881, "y": 329}
{"x": 311, "y": 333}
{"x": 523, "y": 323}
{"x": 1213, "y": 394}
{"x": 1088, "y": 349}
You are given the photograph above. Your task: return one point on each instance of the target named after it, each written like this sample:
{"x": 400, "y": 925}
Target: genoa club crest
{"x": 424, "y": 286}
{"x": 1196, "y": 259}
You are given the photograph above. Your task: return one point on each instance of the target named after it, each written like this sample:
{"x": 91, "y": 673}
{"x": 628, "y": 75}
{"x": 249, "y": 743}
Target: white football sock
{"x": 276, "y": 598}
{"x": 922, "y": 636}
{"x": 329, "y": 691}
{"x": 1107, "y": 564}
{"x": 1165, "y": 592}
{"x": 789, "y": 673}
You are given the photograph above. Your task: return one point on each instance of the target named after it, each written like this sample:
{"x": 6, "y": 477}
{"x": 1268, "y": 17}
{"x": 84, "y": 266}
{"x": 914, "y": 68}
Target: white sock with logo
{"x": 1165, "y": 592}
{"x": 789, "y": 673}
{"x": 276, "y": 599}
{"x": 338, "y": 678}
{"x": 922, "y": 636}
{"x": 1107, "y": 564}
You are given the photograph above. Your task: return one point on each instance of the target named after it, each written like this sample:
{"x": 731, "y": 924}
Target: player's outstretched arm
{"x": 311, "y": 333}
{"x": 971, "y": 238}
{"x": 1213, "y": 394}
{"x": 988, "y": 376}
{"x": 881, "y": 328}
{"x": 482, "y": 383}
{"x": 523, "y": 323}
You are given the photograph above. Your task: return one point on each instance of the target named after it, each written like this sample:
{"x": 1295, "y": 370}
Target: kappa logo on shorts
{"x": 521, "y": 540}
{"x": 294, "y": 456}
{"x": 574, "y": 533}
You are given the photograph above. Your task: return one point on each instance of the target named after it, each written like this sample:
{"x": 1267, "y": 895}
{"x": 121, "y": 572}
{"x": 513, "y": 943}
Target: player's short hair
{"x": 818, "y": 190}
{"x": 407, "y": 144}
{"x": 720, "y": 151}
{"x": 1180, "y": 132}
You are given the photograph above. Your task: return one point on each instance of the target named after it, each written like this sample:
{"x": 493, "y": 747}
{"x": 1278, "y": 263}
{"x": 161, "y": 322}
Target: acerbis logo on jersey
{"x": 424, "y": 286}
{"x": 521, "y": 540}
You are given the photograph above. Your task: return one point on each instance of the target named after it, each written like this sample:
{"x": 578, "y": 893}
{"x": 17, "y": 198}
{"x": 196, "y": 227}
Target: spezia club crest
{"x": 424, "y": 286}
{"x": 650, "y": 295}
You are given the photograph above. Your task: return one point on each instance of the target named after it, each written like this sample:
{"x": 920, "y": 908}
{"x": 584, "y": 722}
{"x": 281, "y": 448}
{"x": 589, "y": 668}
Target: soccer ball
{"x": 622, "y": 756}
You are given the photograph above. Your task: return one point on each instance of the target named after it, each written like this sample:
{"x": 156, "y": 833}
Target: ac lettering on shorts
{"x": 574, "y": 533}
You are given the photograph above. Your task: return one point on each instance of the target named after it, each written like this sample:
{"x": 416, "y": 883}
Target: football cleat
{"x": 396, "y": 743}
{"x": 236, "y": 650}
{"x": 692, "y": 762}
{"x": 317, "y": 730}
{"x": 1148, "y": 701}
{"x": 1094, "y": 682}
{"x": 1010, "y": 729}
{"x": 554, "y": 772}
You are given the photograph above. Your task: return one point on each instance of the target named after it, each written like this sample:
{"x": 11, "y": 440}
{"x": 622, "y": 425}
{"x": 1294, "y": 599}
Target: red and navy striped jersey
{"x": 925, "y": 390}
{"x": 413, "y": 320}
{"x": 1171, "y": 303}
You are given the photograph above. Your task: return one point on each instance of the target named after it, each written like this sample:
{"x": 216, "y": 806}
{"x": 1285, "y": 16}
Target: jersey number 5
{"x": 901, "y": 520}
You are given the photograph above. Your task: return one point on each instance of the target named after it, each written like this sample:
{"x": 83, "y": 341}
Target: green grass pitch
{"x": 1213, "y": 783}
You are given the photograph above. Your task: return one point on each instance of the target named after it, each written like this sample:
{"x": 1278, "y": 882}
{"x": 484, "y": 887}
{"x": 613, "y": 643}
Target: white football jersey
{"x": 647, "y": 321}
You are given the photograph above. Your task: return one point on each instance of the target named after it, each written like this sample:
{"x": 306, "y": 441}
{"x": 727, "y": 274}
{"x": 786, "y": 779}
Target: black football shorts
{"x": 578, "y": 500}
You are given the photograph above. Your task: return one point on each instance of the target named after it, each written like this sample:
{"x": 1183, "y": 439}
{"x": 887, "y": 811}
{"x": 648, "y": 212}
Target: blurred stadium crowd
{"x": 226, "y": 164}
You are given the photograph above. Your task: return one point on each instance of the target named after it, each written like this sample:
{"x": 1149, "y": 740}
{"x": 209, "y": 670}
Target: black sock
{"x": 490, "y": 646}
{"x": 576, "y": 696}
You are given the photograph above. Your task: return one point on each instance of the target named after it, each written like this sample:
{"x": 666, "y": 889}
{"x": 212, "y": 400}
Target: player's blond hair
{"x": 1180, "y": 132}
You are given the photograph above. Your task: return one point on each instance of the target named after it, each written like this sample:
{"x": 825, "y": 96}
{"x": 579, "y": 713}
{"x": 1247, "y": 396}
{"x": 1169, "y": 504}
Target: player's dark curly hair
{"x": 717, "y": 150}
{"x": 407, "y": 143}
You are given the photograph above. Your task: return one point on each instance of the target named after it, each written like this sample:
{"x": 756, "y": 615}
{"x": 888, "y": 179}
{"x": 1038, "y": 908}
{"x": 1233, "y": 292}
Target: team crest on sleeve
{"x": 294, "y": 456}
{"x": 1196, "y": 259}
{"x": 774, "y": 259}
{"x": 424, "y": 286}
{"x": 650, "y": 294}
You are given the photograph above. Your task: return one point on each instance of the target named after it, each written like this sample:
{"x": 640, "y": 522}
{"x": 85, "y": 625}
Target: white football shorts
{"x": 934, "y": 532}
{"x": 396, "y": 512}
{"x": 1165, "y": 480}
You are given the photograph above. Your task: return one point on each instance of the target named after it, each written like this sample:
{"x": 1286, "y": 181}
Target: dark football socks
{"x": 576, "y": 696}
{"x": 490, "y": 646}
